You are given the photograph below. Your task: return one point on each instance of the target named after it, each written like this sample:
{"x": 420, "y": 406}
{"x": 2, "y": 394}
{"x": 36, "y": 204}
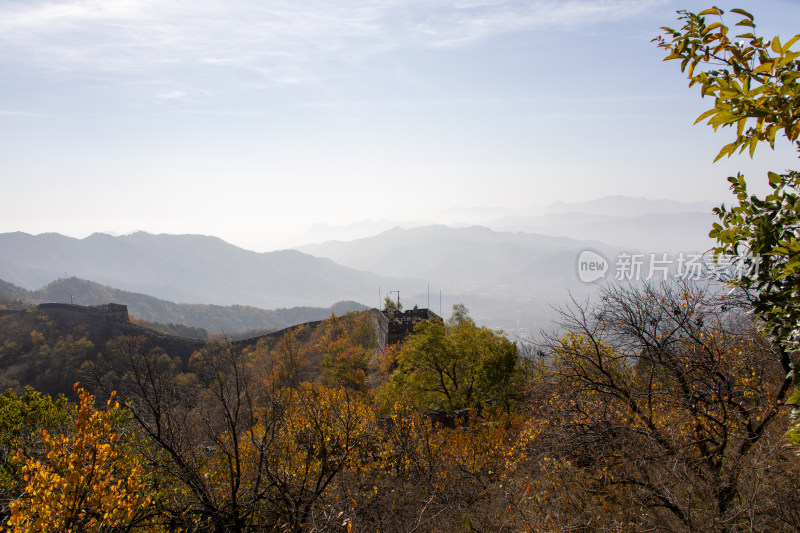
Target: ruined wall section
{"x": 276, "y": 335}
{"x": 388, "y": 330}
{"x": 80, "y": 314}
{"x": 395, "y": 328}
{"x": 111, "y": 320}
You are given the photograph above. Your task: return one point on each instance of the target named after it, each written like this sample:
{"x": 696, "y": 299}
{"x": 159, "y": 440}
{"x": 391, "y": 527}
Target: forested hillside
{"x": 653, "y": 408}
{"x": 235, "y": 319}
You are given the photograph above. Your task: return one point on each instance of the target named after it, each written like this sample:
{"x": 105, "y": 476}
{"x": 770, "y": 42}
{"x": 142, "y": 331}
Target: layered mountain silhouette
{"x": 621, "y": 221}
{"x": 184, "y": 268}
{"x": 464, "y": 258}
{"x": 509, "y": 280}
{"x": 654, "y": 232}
{"x": 509, "y": 271}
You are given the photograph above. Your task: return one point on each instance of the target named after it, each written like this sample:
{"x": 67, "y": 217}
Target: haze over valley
{"x": 277, "y": 155}
{"x": 508, "y": 274}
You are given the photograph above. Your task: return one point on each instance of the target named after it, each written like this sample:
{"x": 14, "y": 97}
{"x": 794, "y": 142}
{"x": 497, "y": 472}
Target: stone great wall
{"x": 393, "y": 328}
{"x": 113, "y": 319}
{"x": 109, "y": 321}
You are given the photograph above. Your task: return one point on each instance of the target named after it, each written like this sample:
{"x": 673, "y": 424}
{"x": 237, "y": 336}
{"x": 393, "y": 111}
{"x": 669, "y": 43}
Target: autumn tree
{"x": 460, "y": 314}
{"x": 347, "y": 344}
{"x": 22, "y": 419}
{"x": 288, "y": 359}
{"x": 424, "y": 476}
{"x": 662, "y": 409}
{"x": 196, "y": 429}
{"x": 456, "y": 366}
{"x": 390, "y": 306}
{"x": 86, "y": 481}
{"x": 232, "y": 449}
{"x": 321, "y": 432}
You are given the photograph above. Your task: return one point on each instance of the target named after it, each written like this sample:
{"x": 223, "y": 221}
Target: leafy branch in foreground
{"x": 753, "y": 79}
{"x": 754, "y": 82}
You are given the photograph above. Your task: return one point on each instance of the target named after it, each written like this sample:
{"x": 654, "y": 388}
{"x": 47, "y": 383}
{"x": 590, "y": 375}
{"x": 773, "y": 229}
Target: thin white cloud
{"x": 341, "y": 104}
{"x": 278, "y": 40}
{"x": 6, "y": 113}
{"x": 478, "y": 20}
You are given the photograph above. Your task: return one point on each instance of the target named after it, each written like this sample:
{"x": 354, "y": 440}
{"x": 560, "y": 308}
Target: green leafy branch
{"x": 753, "y": 79}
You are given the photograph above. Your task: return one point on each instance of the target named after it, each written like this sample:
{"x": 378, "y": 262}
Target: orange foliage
{"x": 86, "y": 481}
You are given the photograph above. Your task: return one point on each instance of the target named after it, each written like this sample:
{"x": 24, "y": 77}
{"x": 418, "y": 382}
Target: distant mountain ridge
{"x": 617, "y": 220}
{"x": 656, "y": 232}
{"x": 463, "y": 257}
{"x": 510, "y": 270}
{"x": 621, "y": 221}
{"x": 213, "y": 318}
{"x": 512, "y": 278}
{"x": 509, "y": 280}
{"x": 184, "y": 268}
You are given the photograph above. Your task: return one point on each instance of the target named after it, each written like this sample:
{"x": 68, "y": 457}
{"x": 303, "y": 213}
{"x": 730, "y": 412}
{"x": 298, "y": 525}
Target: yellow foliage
{"x": 85, "y": 481}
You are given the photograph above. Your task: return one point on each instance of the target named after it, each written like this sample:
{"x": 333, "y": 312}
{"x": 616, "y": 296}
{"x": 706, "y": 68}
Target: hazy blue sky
{"x": 251, "y": 120}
